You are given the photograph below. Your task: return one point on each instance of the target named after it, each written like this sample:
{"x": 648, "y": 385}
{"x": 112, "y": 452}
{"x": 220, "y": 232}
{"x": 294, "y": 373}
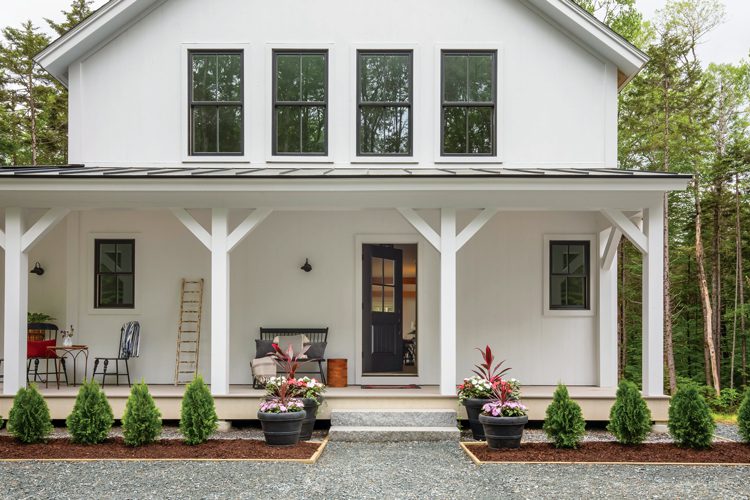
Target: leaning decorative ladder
{"x": 189, "y": 331}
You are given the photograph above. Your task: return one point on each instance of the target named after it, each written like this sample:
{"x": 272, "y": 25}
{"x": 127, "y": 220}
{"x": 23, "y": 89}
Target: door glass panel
{"x": 377, "y": 298}
{"x": 389, "y": 299}
{"x": 377, "y": 270}
{"x": 388, "y": 271}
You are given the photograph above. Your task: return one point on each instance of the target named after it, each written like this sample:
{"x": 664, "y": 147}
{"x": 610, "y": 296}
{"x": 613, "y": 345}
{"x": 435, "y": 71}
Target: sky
{"x": 728, "y": 43}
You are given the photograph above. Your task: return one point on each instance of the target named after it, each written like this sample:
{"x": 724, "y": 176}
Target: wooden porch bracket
{"x": 193, "y": 226}
{"x": 610, "y": 249}
{"x": 246, "y": 227}
{"x": 630, "y": 230}
{"x": 421, "y": 226}
{"x": 474, "y": 226}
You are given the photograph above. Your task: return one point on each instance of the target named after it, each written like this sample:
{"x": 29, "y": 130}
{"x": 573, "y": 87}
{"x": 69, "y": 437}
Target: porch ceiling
{"x": 80, "y": 187}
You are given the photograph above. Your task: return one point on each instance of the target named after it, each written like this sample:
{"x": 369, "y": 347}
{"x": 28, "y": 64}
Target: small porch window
{"x": 114, "y": 274}
{"x": 569, "y": 275}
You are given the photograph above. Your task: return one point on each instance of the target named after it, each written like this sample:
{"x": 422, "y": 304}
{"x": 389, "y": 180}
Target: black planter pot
{"x": 281, "y": 429}
{"x": 503, "y": 432}
{"x": 308, "y": 424}
{"x": 473, "y": 409}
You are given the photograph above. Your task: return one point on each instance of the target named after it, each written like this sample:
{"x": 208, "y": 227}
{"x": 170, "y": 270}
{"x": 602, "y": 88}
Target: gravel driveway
{"x": 382, "y": 471}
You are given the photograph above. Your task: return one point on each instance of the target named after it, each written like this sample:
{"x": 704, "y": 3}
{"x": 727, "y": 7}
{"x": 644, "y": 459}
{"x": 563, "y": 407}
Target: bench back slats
{"x": 314, "y": 334}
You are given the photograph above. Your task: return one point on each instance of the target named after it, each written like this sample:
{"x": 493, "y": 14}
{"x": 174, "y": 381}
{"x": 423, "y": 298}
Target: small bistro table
{"x": 72, "y": 352}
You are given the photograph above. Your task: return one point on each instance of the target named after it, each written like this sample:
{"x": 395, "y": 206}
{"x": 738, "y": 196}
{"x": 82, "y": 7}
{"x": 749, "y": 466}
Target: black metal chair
{"x": 130, "y": 345}
{"x": 314, "y": 335}
{"x": 36, "y": 351}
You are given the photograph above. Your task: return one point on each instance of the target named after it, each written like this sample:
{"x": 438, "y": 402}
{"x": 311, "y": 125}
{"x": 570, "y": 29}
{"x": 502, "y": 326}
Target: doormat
{"x": 407, "y": 386}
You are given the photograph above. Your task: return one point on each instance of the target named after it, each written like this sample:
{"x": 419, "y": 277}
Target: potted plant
{"x": 32, "y": 319}
{"x": 477, "y": 389}
{"x": 281, "y": 418}
{"x": 309, "y": 391}
{"x": 504, "y": 417}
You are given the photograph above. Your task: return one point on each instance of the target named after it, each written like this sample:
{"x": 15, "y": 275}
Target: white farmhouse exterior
{"x": 534, "y": 173}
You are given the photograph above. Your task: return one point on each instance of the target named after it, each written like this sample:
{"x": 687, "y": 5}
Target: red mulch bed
{"x": 720, "y": 453}
{"x": 164, "y": 449}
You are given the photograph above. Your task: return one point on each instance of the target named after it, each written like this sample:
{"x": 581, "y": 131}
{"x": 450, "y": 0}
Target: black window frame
{"x": 217, "y": 104}
{"x": 97, "y": 273}
{"x": 275, "y": 103}
{"x": 586, "y": 275}
{"x": 468, "y": 104}
{"x": 385, "y": 104}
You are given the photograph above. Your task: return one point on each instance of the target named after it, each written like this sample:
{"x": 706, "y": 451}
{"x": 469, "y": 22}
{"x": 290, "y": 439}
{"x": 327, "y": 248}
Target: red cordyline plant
{"x": 488, "y": 369}
{"x": 288, "y": 361}
{"x": 283, "y": 402}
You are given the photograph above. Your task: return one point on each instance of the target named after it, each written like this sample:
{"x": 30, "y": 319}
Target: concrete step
{"x": 373, "y": 434}
{"x": 393, "y": 418}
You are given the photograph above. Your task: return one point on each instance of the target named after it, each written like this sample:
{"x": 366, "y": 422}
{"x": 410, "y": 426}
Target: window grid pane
{"x": 114, "y": 274}
{"x": 569, "y": 275}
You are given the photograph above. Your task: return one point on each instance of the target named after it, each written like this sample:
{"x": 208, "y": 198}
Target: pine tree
{"x": 198, "y": 418}
{"x": 629, "y": 418}
{"x": 141, "y": 422}
{"x": 564, "y": 423}
{"x": 29, "y": 419}
{"x": 743, "y": 417}
{"x": 91, "y": 418}
{"x": 690, "y": 421}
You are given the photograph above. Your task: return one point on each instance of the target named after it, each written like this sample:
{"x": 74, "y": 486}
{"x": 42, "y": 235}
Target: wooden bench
{"x": 314, "y": 335}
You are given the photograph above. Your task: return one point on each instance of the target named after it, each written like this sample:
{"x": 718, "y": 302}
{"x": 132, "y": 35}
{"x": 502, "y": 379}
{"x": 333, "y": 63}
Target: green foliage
{"x": 629, "y": 418}
{"x": 743, "y": 417}
{"x": 91, "y": 418}
{"x": 141, "y": 422}
{"x": 29, "y": 419}
{"x": 564, "y": 423}
{"x": 198, "y": 418}
{"x": 690, "y": 421}
{"x": 33, "y": 317}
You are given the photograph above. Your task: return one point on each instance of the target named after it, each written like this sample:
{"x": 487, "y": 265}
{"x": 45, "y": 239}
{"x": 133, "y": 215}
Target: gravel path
{"x": 395, "y": 470}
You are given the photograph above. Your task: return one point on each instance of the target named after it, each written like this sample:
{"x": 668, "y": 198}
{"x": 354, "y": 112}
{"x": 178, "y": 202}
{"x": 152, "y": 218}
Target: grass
{"x": 725, "y": 418}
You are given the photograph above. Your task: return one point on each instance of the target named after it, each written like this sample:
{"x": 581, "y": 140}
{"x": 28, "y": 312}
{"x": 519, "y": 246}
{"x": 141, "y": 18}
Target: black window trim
{"x": 117, "y": 241}
{"x": 385, "y": 104}
{"x": 240, "y": 103}
{"x": 468, "y": 104}
{"x": 275, "y": 103}
{"x": 586, "y": 276}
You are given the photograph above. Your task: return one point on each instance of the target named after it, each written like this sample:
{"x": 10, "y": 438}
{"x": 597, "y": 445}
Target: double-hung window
{"x": 216, "y": 103}
{"x": 569, "y": 275}
{"x": 300, "y": 102}
{"x": 384, "y": 103}
{"x": 468, "y": 103}
{"x": 114, "y": 274}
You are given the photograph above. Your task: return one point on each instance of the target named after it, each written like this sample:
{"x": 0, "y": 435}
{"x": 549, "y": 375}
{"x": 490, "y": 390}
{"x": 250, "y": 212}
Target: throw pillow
{"x": 316, "y": 350}
{"x": 263, "y": 348}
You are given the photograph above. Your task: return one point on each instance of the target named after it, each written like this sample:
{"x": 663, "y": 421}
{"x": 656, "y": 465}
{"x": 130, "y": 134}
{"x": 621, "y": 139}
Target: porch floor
{"x": 242, "y": 401}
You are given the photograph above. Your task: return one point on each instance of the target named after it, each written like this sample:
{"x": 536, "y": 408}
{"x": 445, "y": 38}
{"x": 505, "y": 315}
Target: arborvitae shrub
{"x": 564, "y": 423}
{"x": 91, "y": 418}
{"x": 141, "y": 422}
{"x": 690, "y": 421}
{"x": 29, "y": 419}
{"x": 198, "y": 418}
{"x": 629, "y": 418}
{"x": 743, "y": 417}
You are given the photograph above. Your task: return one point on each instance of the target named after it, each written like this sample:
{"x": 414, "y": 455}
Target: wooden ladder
{"x": 189, "y": 331}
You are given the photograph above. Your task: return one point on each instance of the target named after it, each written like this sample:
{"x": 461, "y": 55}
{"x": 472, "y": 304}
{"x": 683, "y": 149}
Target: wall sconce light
{"x": 306, "y": 266}
{"x": 38, "y": 269}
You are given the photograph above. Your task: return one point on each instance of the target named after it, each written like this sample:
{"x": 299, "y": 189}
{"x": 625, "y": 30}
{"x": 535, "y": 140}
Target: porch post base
{"x": 224, "y": 426}
{"x": 660, "y": 427}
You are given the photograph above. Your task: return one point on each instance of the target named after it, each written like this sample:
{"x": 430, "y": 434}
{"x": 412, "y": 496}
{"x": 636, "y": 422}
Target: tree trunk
{"x": 622, "y": 334}
{"x": 668, "y": 339}
{"x": 716, "y": 271}
{"x": 705, "y": 297}
{"x": 740, "y": 279}
{"x": 32, "y": 111}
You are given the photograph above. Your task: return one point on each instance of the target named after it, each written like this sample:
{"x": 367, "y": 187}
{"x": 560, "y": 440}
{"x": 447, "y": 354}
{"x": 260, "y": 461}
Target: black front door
{"x": 382, "y": 298}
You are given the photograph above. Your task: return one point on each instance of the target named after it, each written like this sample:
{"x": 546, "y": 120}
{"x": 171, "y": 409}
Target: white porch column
{"x": 16, "y": 303}
{"x": 219, "y": 301}
{"x": 608, "y": 243}
{"x": 448, "y": 250}
{"x": 653, "y": 302}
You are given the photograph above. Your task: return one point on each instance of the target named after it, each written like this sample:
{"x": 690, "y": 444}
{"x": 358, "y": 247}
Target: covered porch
{"x": 197, "y": 218}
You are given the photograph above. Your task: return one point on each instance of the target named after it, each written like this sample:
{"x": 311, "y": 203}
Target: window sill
{"x": 486, "y": 160}
{"x": 363, "y": 160}
{"x": 299, "y": 159}
{"x": 113, "y": 312}
{"x": 562, "y": 313}
{"x": 216, "y": 159}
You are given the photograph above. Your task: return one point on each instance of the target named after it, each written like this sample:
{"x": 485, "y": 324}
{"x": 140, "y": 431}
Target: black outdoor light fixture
{"x": 38, "y": 269}
{"x": 306, "y": 266}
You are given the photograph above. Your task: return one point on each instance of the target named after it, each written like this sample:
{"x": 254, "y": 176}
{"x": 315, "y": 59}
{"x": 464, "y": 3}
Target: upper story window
{"x": 384, "y": 103}
{"x": 569, "y": 275}
{"x": 216, "y": 103}
{"x": 468, "y": 103}
{"x": 114, "y": 274}
{"x": 300, "y": 102}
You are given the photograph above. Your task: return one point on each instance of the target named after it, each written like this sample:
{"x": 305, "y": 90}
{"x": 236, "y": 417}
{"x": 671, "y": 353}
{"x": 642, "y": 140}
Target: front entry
{"x": 382, "y": 304}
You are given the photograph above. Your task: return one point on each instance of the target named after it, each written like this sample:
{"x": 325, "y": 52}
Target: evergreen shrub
{"x": 743, "y": 417}
{"x": 690, "y": 421}
{"x": 141, "y": 422}
{"x": 629, "y": 418}
{"x": 91, "y": 418}
{"x": 29, "y": 419}
{"x": 198, "y": 418}
{"x": 564, "y": 423}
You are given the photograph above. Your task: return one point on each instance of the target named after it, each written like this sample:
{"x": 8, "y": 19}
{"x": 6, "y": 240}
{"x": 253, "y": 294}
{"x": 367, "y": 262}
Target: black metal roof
{"x": 179, "y": 172}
